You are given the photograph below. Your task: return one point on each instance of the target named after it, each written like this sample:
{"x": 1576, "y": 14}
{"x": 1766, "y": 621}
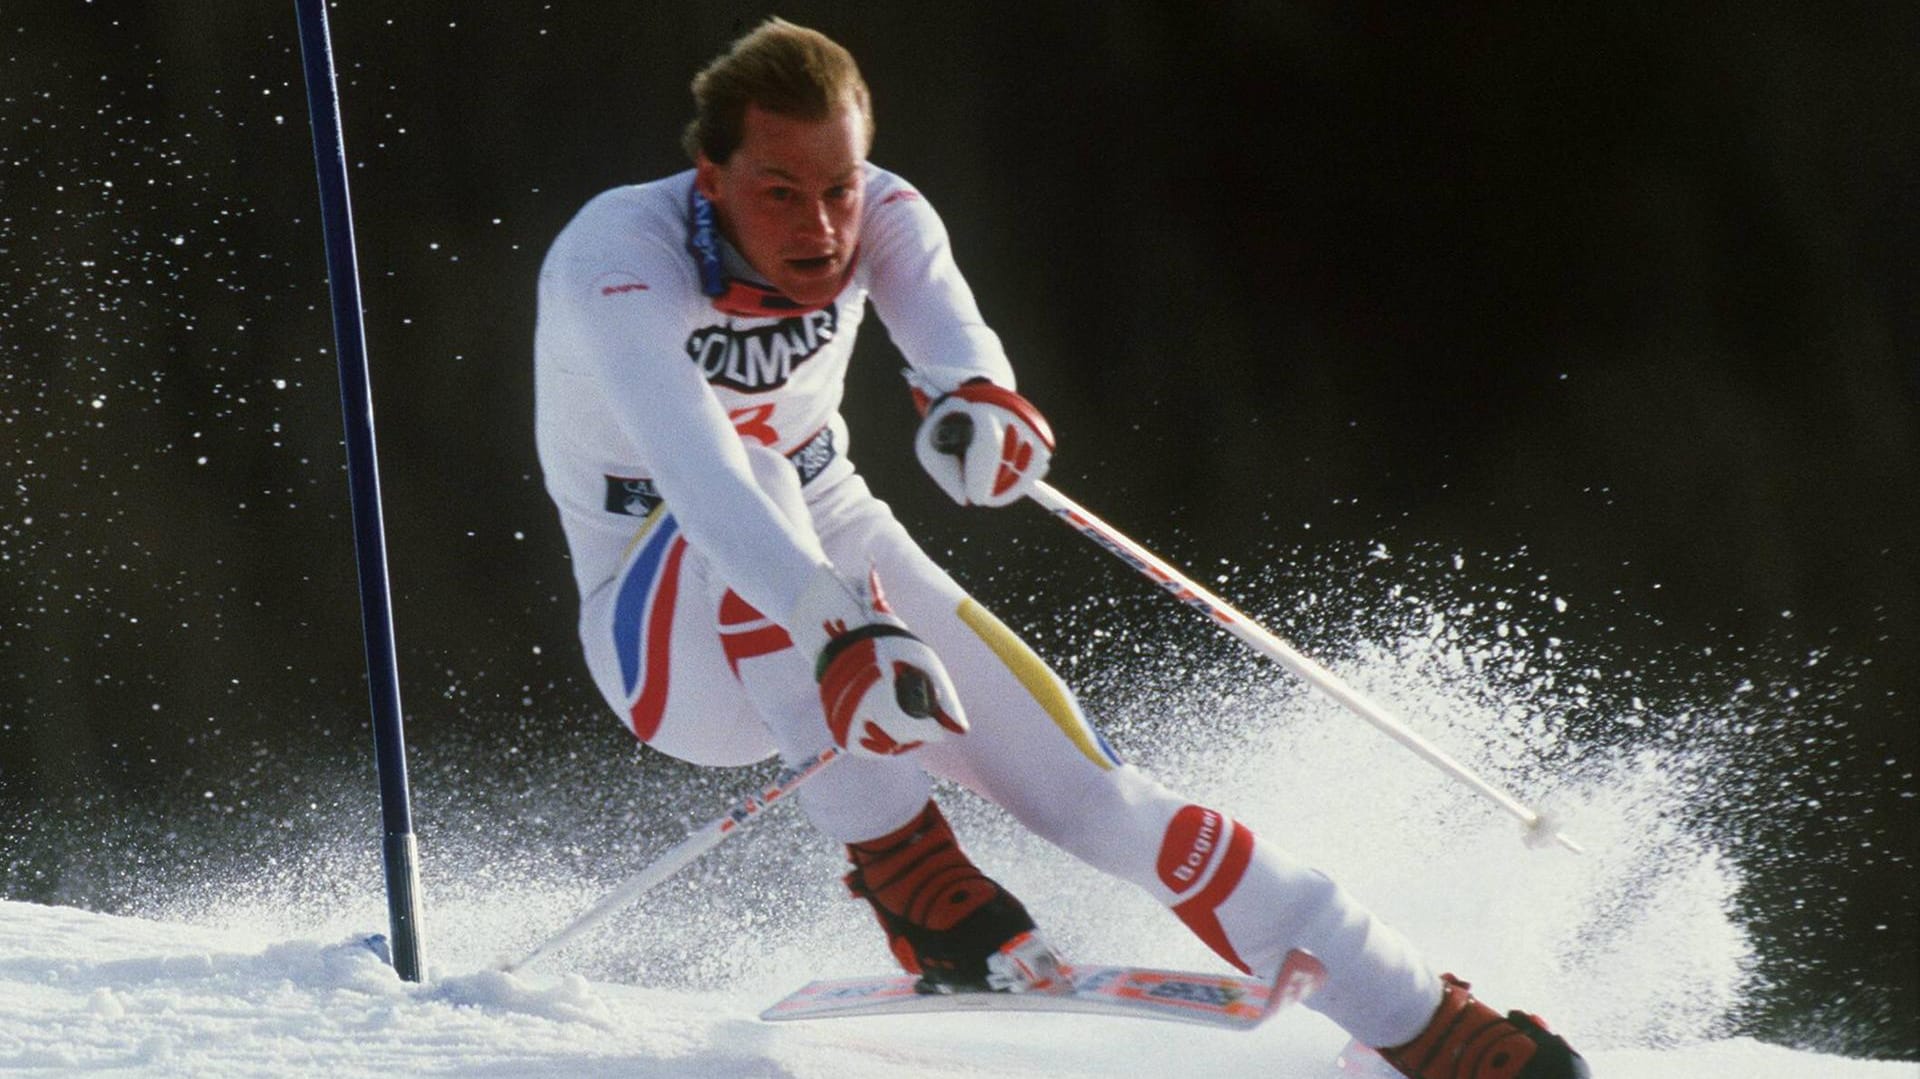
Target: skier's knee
{"x": 1099, "y": 817}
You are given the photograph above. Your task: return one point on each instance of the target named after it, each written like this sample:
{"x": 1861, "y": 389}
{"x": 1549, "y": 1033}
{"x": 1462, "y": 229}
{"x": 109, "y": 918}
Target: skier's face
{"x": 789, "y": 198}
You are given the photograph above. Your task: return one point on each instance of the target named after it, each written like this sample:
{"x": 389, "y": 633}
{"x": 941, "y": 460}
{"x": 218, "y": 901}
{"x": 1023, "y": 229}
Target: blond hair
{"x": 780, "y": 67}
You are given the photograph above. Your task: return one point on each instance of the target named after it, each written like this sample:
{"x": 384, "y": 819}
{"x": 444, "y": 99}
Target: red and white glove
{"x": 985, "y": 445}
{"x": 883, "y": 690}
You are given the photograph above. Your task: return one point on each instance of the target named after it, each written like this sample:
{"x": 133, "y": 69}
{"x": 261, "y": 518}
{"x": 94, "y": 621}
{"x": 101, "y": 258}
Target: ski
{"x": 1217, "y": 1000}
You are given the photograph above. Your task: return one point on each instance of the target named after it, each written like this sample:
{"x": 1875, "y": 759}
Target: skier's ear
{"x": 706, "y": 177}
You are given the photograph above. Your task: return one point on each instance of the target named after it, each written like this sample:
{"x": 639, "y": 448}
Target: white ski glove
{"x": 883, "y": 690}
{"x": 985, "y": 445}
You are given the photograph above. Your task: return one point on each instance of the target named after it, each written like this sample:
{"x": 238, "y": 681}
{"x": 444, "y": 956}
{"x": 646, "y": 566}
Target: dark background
{"x": 1628, "y": 290}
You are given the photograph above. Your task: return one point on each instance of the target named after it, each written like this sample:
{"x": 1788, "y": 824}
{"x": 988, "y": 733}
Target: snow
{"x": 1638, "y": 950}
{"x": 83, "y": 992}
{"x": 247, "y": 957}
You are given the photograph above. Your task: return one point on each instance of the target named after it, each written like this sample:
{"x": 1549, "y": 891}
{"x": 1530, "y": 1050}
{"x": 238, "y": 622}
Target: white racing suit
{"x": 689, "y": 431}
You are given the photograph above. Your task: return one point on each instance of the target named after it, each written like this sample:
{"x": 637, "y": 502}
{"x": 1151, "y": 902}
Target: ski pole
{"x": 685, "y": 853}
{"x": 1541, "y": 829}
{"x": 956, "y": 431}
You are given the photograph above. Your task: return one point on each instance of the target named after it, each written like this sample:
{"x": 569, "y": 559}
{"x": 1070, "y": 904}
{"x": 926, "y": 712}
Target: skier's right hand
{"x": 985, "y": 445}
{"x": 883, "y": 690}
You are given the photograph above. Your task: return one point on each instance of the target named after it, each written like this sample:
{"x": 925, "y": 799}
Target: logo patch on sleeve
{"x": 618, "y": 283}
{"x": 1191, "y": 841}
{"x": 633, "y": 497}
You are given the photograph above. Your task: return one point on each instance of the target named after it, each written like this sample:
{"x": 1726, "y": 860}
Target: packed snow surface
{"x": 83, "y": 992}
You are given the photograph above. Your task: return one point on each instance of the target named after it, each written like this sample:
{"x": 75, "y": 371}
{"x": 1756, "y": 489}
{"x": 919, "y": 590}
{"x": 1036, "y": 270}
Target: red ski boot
{"x": 945, "y": 920}
{"x": 1468, "y": 1040}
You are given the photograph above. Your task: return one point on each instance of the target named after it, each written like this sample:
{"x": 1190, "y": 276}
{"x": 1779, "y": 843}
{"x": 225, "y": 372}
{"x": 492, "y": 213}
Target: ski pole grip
{"x": 952, "y": 434}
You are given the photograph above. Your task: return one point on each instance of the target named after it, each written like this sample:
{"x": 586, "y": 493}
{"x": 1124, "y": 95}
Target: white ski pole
{"x": 685, "y": 853}
{"x": 1541, "y": 829}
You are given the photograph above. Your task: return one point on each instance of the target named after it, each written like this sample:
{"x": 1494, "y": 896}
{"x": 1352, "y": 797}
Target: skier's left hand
{"x": 985, "y": 445}
{"x": 883, "y": 692}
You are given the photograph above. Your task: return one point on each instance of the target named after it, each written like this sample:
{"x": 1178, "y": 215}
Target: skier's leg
{"x": 1032, "y": 751}
{"x": 944, "y": 919}
{"x": 1246, "y": 899}
{"x": 698, "y": 674}
{"x": 859, "y": 798}
{"x": 650, "y": 645}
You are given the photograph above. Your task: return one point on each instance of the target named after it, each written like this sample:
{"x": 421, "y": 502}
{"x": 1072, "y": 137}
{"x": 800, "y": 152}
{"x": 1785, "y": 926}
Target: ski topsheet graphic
{"x": 1218, "y": 1000}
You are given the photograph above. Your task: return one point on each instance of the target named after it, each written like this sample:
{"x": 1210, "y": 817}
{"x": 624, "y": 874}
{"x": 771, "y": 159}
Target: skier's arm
{"x": 982, "y": 442}
{"x": 628, "y": 338}
{"x": 920, "y": 294}
{"x": 882, "y": 690}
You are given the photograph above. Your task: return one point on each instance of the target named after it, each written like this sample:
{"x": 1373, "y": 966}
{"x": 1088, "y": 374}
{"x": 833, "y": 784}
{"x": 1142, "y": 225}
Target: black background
{"x": 1629, "y": 290}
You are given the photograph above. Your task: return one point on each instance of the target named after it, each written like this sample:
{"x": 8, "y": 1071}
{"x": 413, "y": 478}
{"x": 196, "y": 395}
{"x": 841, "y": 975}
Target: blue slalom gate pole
{"x": 398, "y": 851}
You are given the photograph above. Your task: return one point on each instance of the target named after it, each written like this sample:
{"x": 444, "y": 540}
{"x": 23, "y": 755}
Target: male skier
{"x": 743, "y": 593}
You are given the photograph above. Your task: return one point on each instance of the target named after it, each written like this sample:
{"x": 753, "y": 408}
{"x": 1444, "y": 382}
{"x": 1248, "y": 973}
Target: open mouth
{"x": 813, "y": 265}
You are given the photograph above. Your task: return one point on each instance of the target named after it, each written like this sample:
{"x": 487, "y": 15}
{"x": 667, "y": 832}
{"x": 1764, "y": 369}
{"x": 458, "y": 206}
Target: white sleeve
{"x": 630, "y": 338}
{"x": 917, "y": 288}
